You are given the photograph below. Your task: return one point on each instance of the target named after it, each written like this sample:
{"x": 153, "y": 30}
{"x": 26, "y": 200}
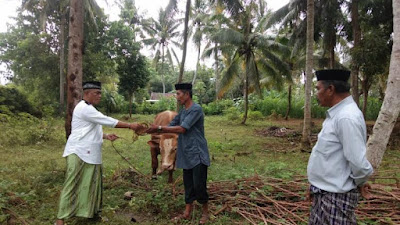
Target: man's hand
{"x": 152, "y": 129}
{"x": 111, "y": 137}
{"x": 364, "y": 190}
{"x": 135, "y": 126}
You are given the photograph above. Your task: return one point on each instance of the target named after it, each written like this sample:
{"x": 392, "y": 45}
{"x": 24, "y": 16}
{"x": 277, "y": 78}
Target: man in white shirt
{"x": 81, "y": 195}
{"x": 338, "y": 168}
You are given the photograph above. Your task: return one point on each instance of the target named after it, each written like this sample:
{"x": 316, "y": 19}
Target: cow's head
{"x": 168, "y": 146}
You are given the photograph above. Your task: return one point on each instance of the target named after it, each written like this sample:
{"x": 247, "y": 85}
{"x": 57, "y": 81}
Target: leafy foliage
{"x": 13, "y": 102}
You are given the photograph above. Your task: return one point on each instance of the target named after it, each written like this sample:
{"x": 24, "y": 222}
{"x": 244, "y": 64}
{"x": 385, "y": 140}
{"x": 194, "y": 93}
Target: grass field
{"x": 32, "y": 173}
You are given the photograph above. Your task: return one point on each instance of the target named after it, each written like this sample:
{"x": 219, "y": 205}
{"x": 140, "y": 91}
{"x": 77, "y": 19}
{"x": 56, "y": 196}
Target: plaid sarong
{"x": 81, "y": 195}
{"x": 333, "y": 208}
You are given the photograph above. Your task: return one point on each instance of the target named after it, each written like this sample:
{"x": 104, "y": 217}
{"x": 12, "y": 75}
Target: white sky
{"x": 148, "y": 8}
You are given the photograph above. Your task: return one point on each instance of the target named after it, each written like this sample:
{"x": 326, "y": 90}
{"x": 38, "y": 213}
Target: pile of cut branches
{"x": 275, "y": 201}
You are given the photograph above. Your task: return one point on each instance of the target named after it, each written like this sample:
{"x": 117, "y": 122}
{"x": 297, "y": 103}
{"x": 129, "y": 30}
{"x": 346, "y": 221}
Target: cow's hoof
{"x": 154, "y": 177}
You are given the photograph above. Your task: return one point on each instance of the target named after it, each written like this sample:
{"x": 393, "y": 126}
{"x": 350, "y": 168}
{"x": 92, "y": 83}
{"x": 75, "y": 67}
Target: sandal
{"x": 180, "y": 217}
{"x": 204, "y": 219}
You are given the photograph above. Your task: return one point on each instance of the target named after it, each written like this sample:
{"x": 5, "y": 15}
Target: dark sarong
{"x": 334, "y": 208}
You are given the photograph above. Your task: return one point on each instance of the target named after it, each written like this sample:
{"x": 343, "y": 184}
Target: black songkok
{"x": 342, "y": 75}
{"x": 91, "y": 85}
{"x": 183, "y": 86}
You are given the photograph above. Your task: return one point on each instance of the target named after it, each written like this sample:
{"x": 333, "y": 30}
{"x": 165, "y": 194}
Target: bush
{"x": 154, "y": 108}
{"x": 232, "y": 113}
{"x": 255, "y": 115}
{"x": 217, "y": 107}
{"x": 13, "y": 101}
{"x": 25, "y": 129}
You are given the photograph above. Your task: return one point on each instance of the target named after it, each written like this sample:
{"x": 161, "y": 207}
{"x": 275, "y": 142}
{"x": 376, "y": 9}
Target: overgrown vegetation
{"x": 32, "y": 169}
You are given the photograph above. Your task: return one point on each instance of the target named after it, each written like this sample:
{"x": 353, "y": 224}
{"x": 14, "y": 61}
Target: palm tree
{"x": 357, "y": 39}
{"x": 199, "y": 20}
{"x": 255, "y": 55}
{"x": 61, "y": 9}
{"x": 162, "y": 33}
{"x": 305, "y": 141}
{"x": 75, "y": 47}
{"x": 390, "y": 110}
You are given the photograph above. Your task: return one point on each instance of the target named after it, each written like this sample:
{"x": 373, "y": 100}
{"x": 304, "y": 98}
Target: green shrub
{"x": 154, "y": 108}
{"x": 217, "y": 107}
{"x": 373, "y": 107}
{"x": 25, "y": 129}
{"x": 232, "y": 113}
{"x": 255, "y": 115}
{"x": 13, "y": 101}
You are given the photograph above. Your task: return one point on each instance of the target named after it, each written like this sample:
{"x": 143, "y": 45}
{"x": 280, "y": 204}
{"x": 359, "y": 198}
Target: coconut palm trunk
{"x": 216, "y": 71}
{"x": 162, "y": 70}
{"x": 390, "y": 110}
{"x": 357, "y": 39}
{"x": 62, "y": 59}
{"x": 289, "y": 102}
{"x": 75, "y": 48}
{"x": 185, "y": 37}
{"x": 305, "y": 141}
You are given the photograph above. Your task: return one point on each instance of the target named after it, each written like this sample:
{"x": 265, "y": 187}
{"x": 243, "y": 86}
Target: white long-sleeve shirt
{"x": 86, "y": 136}
{"x": 338, "y": 161}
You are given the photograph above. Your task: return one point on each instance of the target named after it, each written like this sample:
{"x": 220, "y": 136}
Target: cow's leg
{"x": 170, "y": 179}
{"x": 154, "y": 162}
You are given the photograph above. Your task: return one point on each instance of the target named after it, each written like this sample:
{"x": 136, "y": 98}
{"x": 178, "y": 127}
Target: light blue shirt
{"x": 338, "y": 160}
{"x": 192, "y": 145}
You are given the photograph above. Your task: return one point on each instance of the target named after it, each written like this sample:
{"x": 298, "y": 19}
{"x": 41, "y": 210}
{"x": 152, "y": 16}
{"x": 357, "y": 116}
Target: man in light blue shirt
{"x": 338, "y": 167}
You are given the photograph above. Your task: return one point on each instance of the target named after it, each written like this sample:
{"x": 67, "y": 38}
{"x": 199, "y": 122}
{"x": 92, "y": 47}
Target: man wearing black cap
{"x": 192, "y": 155}
{"x": 338, "y": 168}
{"x": 81, "y": 195}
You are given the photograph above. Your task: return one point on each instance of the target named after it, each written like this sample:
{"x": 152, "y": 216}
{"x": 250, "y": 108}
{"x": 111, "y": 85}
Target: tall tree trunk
{"x": 162, "y": 70}
{"x": 216, "y": 71}
{"x": 130, "y": 105}
{"x": 305, "y": 140}
{"x": 332, "y": 53}
{"x": 75, "y": 48}
{"x": 390, "y": 110}
{"x": 246, "y": 99}
{"x": 197, "y": 65}
{"x": 357, "y": 39}
{"x": 365, "y": 89}
{"x": 185, "y": 37}
{"x": 62, "y": 60}
{"x": 289, "y": 101}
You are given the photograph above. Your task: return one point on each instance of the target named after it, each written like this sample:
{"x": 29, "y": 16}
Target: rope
{"x": 135, "y": 137}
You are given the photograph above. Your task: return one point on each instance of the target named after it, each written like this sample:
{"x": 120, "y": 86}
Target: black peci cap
{"x": 91, "y": 85}
{"x": 183, "y": 86}
{"x": 342, "y": 75}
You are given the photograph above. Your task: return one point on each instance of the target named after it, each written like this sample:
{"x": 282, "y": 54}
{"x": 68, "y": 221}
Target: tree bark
{"x": 75, "y": 48}
{"x": 246, "y": 99}
{"x": 62, "y": 60}
{"x": 305, "y": 140}
{"x": 216, "y": 71}
{"x": 130, "y": 105}
{"x": 365, "y": 89}
{"x": 162, "y": 70}
{"x": 289, "y": 102}
{"x": 357, "y": 39}
{"x": 197, "y": 64}
{"x": 185, "y": 37}
{"x": 389, "y": 113}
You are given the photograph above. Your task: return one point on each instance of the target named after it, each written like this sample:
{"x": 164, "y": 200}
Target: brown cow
{"x": 164, "y": 144}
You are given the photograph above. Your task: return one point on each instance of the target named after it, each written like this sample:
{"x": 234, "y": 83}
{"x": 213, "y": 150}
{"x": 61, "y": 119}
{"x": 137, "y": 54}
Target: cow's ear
{"x": 152, "y": 144}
